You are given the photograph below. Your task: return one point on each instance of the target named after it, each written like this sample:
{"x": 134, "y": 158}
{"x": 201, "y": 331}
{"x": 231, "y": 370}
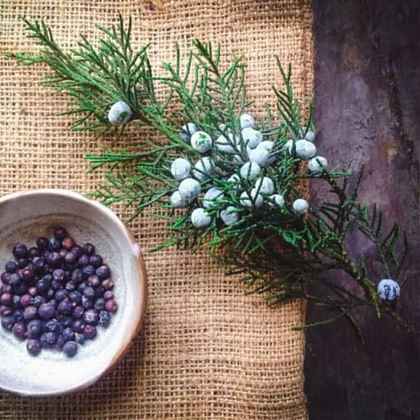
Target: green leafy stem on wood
{"x": 278, "y": 253}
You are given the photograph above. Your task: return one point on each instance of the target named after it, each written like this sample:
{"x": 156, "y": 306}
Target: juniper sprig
{"x": 222, "y": 180}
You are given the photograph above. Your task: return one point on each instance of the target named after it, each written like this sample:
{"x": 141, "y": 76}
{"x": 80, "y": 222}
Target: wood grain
{"x": 367, "y": 111}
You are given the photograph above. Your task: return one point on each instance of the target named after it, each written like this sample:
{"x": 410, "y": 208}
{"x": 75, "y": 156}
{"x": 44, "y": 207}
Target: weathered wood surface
{"x": 367, "y": 111}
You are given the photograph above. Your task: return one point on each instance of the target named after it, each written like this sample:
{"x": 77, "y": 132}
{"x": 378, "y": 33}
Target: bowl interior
{"x": 23, "y": 218}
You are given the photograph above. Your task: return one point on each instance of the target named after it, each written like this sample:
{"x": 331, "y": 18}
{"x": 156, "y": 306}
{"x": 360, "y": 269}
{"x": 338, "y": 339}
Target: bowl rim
{"x": 142, "y": 277}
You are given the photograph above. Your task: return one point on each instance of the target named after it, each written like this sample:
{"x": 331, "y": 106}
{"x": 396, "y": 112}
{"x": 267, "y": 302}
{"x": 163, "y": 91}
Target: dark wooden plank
{"x": 367, "y": 111}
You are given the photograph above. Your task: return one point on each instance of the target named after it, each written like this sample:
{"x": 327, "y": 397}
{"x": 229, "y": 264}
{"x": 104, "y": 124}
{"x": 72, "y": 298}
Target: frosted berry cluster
{"x": 243, "y": 161}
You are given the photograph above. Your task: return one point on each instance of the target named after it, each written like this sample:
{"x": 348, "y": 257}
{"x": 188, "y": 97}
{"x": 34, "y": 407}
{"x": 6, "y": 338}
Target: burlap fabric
{"x": 207, "y": 350}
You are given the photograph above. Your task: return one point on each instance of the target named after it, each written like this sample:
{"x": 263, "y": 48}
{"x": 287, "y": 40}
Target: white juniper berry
{"x": 180, "y": 168}
{"x": 246, "y": 121}
{"x": 201, "y": 141}
{"x": 200, "y": 218}
{"x": 252, "y": 199}
{"x": 119, "y": 113}
{"x": 189, "y": 188}
{"x": 212, "y": 197}
{"x": 300, "y": 206}
{"x": 305, "y": 150}
{"x": 229, "y": 215}
{"x": 265, "y": 185}
{"x": 203, "y": 168}
{"x": 389, "y": 290}
{"x": 251, "y": 137}
{"x": 317, "y": 164}
{"x": 277, "y": 200}
{"x": 177, "y": 200}
{"x": 250, "y": 170}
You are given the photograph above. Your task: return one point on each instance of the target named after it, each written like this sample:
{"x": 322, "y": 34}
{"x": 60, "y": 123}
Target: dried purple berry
{"x": 83, "y": 260}
{"x": 60, "y": 342}
{"x": 53, "y": 326}
{"x": 109, "y": 294}
{"x": 48, "y": 339}
{"x": 77, "y": 250}
{"x": 43, "y": 284}
{"x": 34, "y": 347}
{"x": 104, "y": 318}
{"x": 38, "y": 263}
{"x": 89, "y": 270}
{"x": 21, "y": 289}
{"x": 16, "y": 301}
{"x": 56, "y": 285}
{"x": 75, "y": 296}
{"x": 18, "y": 315}
{"x": 46, "y": 311}
{"x": 42, "y": 243}
{"x": 99, "y": 304}
{"x": 89, "y": 332}
{"x": 96, "y": 260}
{"x": 81, "y": 286}
{"x": 79, "y": 338}
{"x": 6, "y": 299}
{"x": 93, "y": 281}
{"x": 78, "y": 325}
{"x": 58, "y": 274}
{"x": 19, "y": 330}
{"x": 108, "y": 284}
{"x": 68, "y": 334}
{"x": 68, "y": 243}
{"x": 5, "y": 310}
{"x": 70, "y": 349}
{"x": 26, "y": 300}
{"x": 78, "y": 312}
{"x": 22, "y": 262}
{"x": 27, "y": 274}
{"x": 38, "y": 301}
{"x": 88, "y": 249}
{"x": 64, "y": 307}
{"x": 20, "y": 251}
{"x": 5, "y": 278}
{"x": 111, "y": 305}
{"x": 77, "y": 275}
{"x": 91, "y": 317}
{"x": 88, "y": 292}
{"x": 5, "y": 288}
{"x": 10, "y": 267}
{"x": 33, "y": 252}
{"x": 99, "y": 292}
{"x": 15, "y": 279}
{"x": 30, "y": 312}
{"x": 66, "y": 321}
{"x": 60, "y": 294}
{"x": 70, "y": 258}
{"x": 70, "y": 286}
{"x": 34, "y": 328}
{"x": 60, "y": 233}
{"x": 86, "y": 302}
{"x": 55, "y": 244}
{"x": 103, "y": 272}
{"x": 7, "y": 322}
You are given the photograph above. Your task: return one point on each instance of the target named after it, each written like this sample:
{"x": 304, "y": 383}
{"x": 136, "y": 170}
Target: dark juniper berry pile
{"x": 56, "y": 293}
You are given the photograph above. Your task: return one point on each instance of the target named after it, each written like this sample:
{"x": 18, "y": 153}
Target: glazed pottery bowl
{"x": 24, "y": 216}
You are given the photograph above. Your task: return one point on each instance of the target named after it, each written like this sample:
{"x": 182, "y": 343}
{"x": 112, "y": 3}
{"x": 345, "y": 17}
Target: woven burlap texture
{"x": 206, "y": 350}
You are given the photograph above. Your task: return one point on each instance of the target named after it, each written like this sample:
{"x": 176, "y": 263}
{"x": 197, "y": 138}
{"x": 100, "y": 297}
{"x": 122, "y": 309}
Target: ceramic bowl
{"x": 24, "y": 216}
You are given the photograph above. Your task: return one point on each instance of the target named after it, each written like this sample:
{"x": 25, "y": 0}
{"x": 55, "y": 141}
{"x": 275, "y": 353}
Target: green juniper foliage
{"x": 276, "y": 250}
